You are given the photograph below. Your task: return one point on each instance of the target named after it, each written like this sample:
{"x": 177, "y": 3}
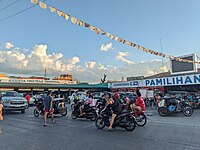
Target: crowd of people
{"x": 114, "y": 102}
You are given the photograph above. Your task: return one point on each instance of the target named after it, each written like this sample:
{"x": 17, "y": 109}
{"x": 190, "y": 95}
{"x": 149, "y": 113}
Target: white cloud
{"x": 90, "y": 64}
{"x": 164, "y": 68}
{"x": 151, "y": 72}
{"x": 156, "y": 60}
{"x": 9, "y": 45}
{"x": 37, "y": 59}
{"x": 120, "y": 56}
{"x": 106, "y": 47}
{"x": 15, "y": 61}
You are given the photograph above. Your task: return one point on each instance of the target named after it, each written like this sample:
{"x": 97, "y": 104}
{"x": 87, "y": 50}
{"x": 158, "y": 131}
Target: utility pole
{"x": 45, "y": 72}
{"x": 161, "y": 51}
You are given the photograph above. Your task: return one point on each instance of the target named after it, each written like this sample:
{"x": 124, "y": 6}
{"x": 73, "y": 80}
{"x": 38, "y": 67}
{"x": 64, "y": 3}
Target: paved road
{"x": 23, "y": 131}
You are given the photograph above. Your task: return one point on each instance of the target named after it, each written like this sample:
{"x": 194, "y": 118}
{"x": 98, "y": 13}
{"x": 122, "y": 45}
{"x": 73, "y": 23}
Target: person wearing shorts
{"x": 139, "y": 104}
{"x": 48, "y": 108}
{"x": 115, "y": 108}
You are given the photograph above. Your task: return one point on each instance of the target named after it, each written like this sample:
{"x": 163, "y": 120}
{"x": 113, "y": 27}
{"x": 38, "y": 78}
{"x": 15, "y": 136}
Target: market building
{"x": 181, "y": 77}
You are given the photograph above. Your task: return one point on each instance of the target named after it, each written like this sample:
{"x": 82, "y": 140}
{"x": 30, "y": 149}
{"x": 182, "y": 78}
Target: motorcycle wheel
{"x": 163, "y": 111}
{"x": 72, "y": 107}
{"x": 188, "y": 111}
{"x": 131, "y": 124}
{"x": 73, "y": 115}
{"x": 100, "y": 123}
{"x": 141, "y": 120}
{"x": 36, "y": 113}
{"x": 94, "y": 117}
{"x": 64, "y": 113}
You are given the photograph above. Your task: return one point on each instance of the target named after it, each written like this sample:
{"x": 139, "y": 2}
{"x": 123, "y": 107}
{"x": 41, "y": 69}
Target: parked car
{"x": 13, "y": 101}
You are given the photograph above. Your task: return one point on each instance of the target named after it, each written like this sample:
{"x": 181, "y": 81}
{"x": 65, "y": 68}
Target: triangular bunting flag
{"x": 116, "y": 38}
{"x": 107, "y": 34}
{"x": 80, "y": 23}
{"x": 52, "y": 9}
{"x": 34, "y": 1}
{"x": 103, "y": 32}
{"x": 128, "y": 43}
{"x": 137, "y": 46}
{"x": 92, "y": 28}
{"x": 60, "y": 13}
{"x": 66, "y": 16}
{"x": 119, "y": 40}
{"x": 97, "y": 31}
{"x": 134, "y": 45}
{"x": 73, "y": 20}
{"x": 43, "y": 5}
{"x": 111, "y": 36}
{"x": 86, "y": 24}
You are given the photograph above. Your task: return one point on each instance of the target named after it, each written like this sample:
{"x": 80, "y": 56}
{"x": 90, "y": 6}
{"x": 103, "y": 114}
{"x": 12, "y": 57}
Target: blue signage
{"x": 176, "y": 80}
{"x": 125, "y": 84}
{"x": 166, "y": 81}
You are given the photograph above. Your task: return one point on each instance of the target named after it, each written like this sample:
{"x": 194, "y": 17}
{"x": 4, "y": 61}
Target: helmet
{"x": 116, "y": 95}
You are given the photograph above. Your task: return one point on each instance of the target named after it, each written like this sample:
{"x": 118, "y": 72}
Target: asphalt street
{"x": 24, "y": 131}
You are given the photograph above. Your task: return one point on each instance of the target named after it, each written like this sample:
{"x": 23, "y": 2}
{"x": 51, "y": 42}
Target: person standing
{"x": 28, "y": 98}
{"x": 158, "y": 99}
{"x": 1, "y": 112}
{"x": 48, "y": 108}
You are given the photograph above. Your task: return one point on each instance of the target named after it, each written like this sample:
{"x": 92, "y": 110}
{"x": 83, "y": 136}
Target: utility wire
{"x": 19, "y": 12}
{"x": 9, "y": 5}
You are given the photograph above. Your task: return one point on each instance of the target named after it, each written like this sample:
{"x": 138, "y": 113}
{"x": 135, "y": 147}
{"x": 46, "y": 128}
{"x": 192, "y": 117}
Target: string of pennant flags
{"x": 99, "y": 31}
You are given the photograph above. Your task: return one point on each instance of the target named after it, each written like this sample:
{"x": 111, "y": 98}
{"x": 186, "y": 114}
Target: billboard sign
{"x": 184, "y": 67}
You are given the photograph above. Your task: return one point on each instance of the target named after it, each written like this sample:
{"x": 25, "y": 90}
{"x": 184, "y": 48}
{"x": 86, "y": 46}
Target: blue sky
{"x": 144, "y": 22}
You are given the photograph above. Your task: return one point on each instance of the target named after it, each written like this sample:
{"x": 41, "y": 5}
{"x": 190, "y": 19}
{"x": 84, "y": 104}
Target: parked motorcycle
{"x": 173, "y": 105}
{"x": 123, "y": 120}
{"x": 89, "y": 113}
{"x": 59, "y": 107}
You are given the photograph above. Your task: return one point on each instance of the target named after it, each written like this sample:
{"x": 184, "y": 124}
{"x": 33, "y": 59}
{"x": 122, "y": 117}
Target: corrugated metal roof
{"x": 62, "y": 86}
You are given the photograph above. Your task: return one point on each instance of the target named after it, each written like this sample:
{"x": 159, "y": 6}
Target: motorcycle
{"x": 173, "y": 105}
{"x": 88, "y": 113}
{"x": 141, "y": 119}
{"x": 39, "y": 109}
{"x": 123, "y": 120}
{"x": 59, "y": 107}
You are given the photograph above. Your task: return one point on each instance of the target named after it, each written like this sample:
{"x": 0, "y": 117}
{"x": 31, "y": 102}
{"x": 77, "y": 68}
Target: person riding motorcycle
{"x": 139, "y": 104}
{"x": 85, "y": 104}
{"x": 116, "y": 108}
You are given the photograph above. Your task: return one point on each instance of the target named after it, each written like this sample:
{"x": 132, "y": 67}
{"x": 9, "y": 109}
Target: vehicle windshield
{"x": 10, "y": 94}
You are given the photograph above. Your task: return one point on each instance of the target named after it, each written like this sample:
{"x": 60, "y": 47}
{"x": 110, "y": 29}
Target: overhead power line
{"x": 18, "y": 12}
{"x": 9, "y": 5}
